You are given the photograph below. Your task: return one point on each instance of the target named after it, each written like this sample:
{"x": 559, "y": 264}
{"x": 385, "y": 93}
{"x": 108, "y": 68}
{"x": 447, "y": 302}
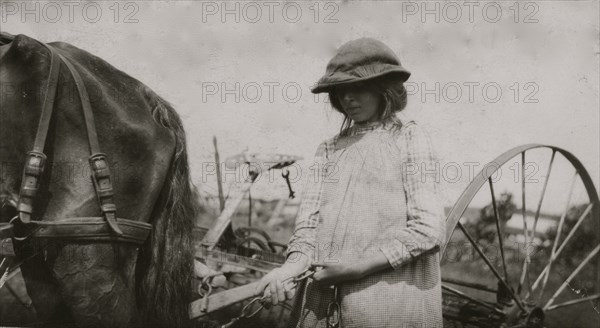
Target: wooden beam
{"x": 219, "y": 176}
{"x": 202, "y": 307}
{"x": 264, "y": 264}
{"x": 224, "y": 220}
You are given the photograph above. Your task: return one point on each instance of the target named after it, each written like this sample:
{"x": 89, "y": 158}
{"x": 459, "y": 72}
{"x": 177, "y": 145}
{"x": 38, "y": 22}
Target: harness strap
{"x": 101, "y": 173}
{"x": 48, "y": 105}
{"x": 90, "y": 123}
{"x": 88, "y": 229}
{"x": 36, "y": 160}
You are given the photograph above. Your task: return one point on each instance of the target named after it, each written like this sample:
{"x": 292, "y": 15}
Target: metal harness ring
{"x": 334, "y": 310}
{"x": 249, "y": 305}
{"x": 19, "y": 221}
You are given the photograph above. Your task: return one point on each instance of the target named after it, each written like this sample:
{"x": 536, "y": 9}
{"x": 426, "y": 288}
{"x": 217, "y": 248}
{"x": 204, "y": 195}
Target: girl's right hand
{"x": 272, "y": 283}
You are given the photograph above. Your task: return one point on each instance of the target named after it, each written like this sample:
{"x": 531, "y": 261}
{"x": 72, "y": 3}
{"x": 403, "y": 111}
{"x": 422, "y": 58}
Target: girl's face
{"x": 358, "y": 102}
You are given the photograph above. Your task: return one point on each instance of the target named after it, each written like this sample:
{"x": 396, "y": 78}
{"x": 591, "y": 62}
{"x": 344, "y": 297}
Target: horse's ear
{"x": 6, "y": 38}
{"x": 165, "y": 269}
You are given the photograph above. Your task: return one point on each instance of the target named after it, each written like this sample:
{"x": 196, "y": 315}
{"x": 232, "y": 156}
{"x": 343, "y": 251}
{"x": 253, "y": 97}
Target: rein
{"x": 107, "y": 228}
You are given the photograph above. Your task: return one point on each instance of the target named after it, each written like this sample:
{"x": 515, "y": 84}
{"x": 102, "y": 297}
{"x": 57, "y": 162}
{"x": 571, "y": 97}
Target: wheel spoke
{"x": 500, "y": 234}
{"x": 574, "y": 302}
{"x": 525, "y": 269}
{"x": 489, "y": 263}
{"x": 469, "y": 284}
{"x": 563, "y": 240}
{"x": 558, "y": 233}
{"x": 539, "y": 207}
{"x": 573, "y": 274}
{"x": 474, "y": 300}
{"x": 564, "y": 243}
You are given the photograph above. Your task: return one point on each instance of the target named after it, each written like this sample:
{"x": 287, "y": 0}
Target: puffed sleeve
{"x": 303, "y": 238}
{"x": 425, "y": 226}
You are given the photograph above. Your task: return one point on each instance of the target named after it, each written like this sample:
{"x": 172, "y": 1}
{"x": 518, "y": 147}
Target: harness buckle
{"x": 30, "y": 184}
{"x": 104, "y": 190}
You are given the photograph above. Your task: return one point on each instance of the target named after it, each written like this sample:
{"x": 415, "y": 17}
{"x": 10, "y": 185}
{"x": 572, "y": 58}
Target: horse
{"x": 88, "y": 273}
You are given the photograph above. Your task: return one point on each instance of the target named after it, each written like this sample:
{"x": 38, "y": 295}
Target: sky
{"x": 487, "y": 76}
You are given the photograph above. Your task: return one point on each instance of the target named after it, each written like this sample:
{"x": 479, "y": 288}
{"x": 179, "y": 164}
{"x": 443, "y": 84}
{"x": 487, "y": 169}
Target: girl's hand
{"x": 272, "y": 283}
{"x": 333, "y": 274}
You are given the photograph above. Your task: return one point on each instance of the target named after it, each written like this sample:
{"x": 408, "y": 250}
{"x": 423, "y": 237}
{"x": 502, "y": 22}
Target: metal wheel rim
{"x": 484, "y": 176}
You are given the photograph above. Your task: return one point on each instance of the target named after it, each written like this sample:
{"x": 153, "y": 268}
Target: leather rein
{"x": 107, "y": 228}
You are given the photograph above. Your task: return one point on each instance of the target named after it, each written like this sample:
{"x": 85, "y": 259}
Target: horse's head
{"x": 94, "y": 280}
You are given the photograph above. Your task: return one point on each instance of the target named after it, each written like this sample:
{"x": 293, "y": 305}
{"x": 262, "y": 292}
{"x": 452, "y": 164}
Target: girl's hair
{"x": 389, "y": 88}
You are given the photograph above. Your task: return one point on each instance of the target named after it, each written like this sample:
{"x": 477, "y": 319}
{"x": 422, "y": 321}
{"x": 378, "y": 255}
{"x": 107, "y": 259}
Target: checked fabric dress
{"x": 375, "y": 192}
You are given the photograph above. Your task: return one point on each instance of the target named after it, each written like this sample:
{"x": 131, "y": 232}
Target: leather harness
{"x": 107, "y": 228}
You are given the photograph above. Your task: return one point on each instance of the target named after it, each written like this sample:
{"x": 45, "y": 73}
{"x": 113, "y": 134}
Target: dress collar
{"x": 359, "y": 128}
{"x": 365, "y": 127}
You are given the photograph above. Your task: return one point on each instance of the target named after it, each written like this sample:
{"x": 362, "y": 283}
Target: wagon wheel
{"x": 277, "y": 316}
{"x": 522, "y": 285}
{"x": 278, "y": 247}
{"x": 252, "y": 237}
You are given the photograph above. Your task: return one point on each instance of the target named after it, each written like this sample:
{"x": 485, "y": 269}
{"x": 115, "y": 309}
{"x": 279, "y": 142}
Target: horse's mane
{"x": 165, "y": 264}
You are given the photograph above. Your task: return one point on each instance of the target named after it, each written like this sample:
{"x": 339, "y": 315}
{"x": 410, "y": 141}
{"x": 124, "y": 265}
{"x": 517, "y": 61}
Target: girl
{"x": 372, "y": 221}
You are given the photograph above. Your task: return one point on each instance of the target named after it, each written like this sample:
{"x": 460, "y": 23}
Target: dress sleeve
{"x": 425, "y": 225}
{"x": 303, "y": 238}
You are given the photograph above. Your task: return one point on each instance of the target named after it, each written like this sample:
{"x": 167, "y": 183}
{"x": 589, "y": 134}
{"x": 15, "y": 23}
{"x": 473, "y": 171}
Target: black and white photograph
{"x": 300, "y": 163}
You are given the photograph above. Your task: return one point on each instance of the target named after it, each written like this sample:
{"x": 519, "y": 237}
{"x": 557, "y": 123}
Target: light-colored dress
{"x": 374, "y": 190}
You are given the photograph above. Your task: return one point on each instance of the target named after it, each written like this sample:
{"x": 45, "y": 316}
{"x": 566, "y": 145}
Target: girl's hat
{"x": 360, "y": 60}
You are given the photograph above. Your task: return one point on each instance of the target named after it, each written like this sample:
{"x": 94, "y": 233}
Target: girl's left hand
{"x": 333, "y": 274}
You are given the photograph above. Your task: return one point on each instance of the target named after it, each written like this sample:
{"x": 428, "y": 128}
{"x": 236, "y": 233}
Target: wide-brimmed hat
{"x": 360, "y": 60}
